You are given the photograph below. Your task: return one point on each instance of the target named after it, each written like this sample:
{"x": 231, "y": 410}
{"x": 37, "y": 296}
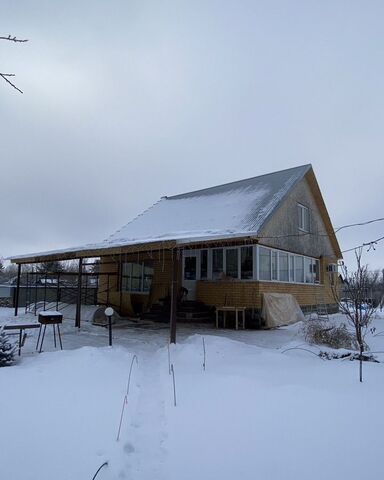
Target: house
{"x": 224, "y": 245}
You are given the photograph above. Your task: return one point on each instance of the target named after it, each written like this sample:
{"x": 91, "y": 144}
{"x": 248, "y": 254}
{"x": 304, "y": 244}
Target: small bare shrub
{"x": 321, "y": 332}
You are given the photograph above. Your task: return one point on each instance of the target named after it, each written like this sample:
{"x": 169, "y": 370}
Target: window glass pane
{"x": 190, "y": 268}
{"x": 264, "y": 263}
{"x": 232, "y": 262}
{"x": 308, "y": 270}
{"x": 291, "y": 268}
{"x": 127, "y": 268}
{"x": 136, "y": 270}
{"x": 203, "y": 264}
{"x": 148, "y": 276}
{"x": 317, "y": 271}
{"x": 125, "y": 283}
{"x": 135, "y": 284}
{"x": 217, "y": 263}
{"x": 303, "y": 218}
{"x": 299, "y": 268}
{"x": 132, "y": 279}
{"x": 283, "y": 267}
{"x": 306, "y": 220}
{"x": 126, "y": 276}
{"x": 136, "y": 277}
{"x": 246, "y": 263}
{"x": 274, "y": 265}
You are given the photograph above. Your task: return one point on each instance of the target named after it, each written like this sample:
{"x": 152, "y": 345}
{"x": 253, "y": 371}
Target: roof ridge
{"x": 172, "y": 197}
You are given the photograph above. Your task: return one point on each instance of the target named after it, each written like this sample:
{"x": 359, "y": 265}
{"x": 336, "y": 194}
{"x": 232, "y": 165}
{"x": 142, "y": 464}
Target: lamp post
{"x": 109, "y": 312}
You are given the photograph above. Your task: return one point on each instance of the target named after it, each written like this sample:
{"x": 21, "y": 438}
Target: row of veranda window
{"x": 241, "y": 263}
{"x": 250, "y": 263}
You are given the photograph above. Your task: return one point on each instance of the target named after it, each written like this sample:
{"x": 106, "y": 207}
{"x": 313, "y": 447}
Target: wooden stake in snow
{"x": 174, "y": 385}
{"x": 125, "y": 401}
{"x": 204, "y": 354}
{"x": 169, "y": 360}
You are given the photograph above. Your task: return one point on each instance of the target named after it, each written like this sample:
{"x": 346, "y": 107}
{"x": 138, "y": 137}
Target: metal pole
{"x": 120, "y": 282}
{"x": 86, "y": 287}
{"x": 173, "y": 314}
{"x": 58, "y": 291}
{"x": 27, "y": 295}
{"x": 36, "y": 276}
{"x": 110, "y": 329}
{"x": 17, "y": 289}
{"x": 45, "y": 289}
{"x": 78, "y": 300}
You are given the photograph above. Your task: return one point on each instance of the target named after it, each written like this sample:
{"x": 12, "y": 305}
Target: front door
{"x": 190, "y": 273}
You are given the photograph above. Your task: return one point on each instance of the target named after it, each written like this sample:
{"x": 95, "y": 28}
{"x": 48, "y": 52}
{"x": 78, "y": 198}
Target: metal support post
{"x": 78, "y": 300}
{"x": 17, "y": 289}
{"x": 173, "y": 314}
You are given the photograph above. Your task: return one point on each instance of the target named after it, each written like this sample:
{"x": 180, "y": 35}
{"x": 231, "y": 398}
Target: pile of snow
{"x": 254, "y": 412}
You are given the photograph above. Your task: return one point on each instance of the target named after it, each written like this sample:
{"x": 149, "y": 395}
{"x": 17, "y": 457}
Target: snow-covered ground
{"x": 257, "y": 411}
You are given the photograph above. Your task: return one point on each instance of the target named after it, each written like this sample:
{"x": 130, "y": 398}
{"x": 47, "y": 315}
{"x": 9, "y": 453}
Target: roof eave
{"x": 91, "y": 252}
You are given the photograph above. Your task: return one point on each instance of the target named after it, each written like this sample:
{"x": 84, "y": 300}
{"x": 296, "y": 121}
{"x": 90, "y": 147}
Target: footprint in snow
{"x": 129, "y": 448}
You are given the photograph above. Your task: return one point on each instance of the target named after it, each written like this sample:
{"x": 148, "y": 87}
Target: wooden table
{"x": 49, "y": 317}
{"x": 226, "y": 309}
{"x": 21, "y": 327}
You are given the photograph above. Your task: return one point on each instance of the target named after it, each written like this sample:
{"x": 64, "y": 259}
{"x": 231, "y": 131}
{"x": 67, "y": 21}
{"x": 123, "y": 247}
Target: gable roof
{"x": 235, "y": 209}
{"x": 239, "y": 208}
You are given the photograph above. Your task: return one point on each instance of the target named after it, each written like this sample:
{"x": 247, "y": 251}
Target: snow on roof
{"x": 235, "y": 209}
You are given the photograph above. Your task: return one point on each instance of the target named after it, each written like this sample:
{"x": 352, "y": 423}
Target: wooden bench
{"x": 21, "y": 327}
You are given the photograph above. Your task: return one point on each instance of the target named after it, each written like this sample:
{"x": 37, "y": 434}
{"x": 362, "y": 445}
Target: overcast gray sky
{"x": 126, "y": 101}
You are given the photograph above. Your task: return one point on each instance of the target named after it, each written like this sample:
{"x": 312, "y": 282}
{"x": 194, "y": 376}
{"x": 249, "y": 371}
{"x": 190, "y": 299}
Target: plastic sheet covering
{"x": 280, "y": 309}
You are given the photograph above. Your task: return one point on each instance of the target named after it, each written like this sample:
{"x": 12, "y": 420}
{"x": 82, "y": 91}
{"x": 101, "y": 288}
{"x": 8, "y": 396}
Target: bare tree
{"x": 7, "y": 76}
{"x": 356, "y": 303}
{"x": 54, "y": 266}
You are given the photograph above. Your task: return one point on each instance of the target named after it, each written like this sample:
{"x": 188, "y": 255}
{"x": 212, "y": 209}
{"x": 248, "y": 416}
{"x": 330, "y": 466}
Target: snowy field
{"x": 256, "y": 412}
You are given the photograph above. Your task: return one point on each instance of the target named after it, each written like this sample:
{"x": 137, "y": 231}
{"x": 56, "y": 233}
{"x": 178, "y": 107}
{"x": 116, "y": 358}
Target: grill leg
{"x": 20, "y": 340}
{"x": 54, "y": 335}
{"x": 42, "y": 340}
{"x": 58, "y": 331}
{"x": 38, "y": 338}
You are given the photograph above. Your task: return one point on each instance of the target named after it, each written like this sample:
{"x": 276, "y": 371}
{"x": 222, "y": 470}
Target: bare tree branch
{"x": 5, "y": 75}
{"x": 357, "y": 306}
{"x": 9, "y": 38}
{"x": 14, "y": 39}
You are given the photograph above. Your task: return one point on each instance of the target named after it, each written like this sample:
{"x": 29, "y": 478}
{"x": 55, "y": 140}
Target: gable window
{"x": 246, "y": 263}
{"x": 304, "y": 220}
{"x": 136, "y": 277}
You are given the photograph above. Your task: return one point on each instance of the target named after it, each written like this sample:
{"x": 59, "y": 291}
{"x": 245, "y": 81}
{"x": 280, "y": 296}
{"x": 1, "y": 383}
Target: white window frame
{"x": 256, "y": 265}
{"x": 303, "y": 213}
{"x": 129, "y": 277}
